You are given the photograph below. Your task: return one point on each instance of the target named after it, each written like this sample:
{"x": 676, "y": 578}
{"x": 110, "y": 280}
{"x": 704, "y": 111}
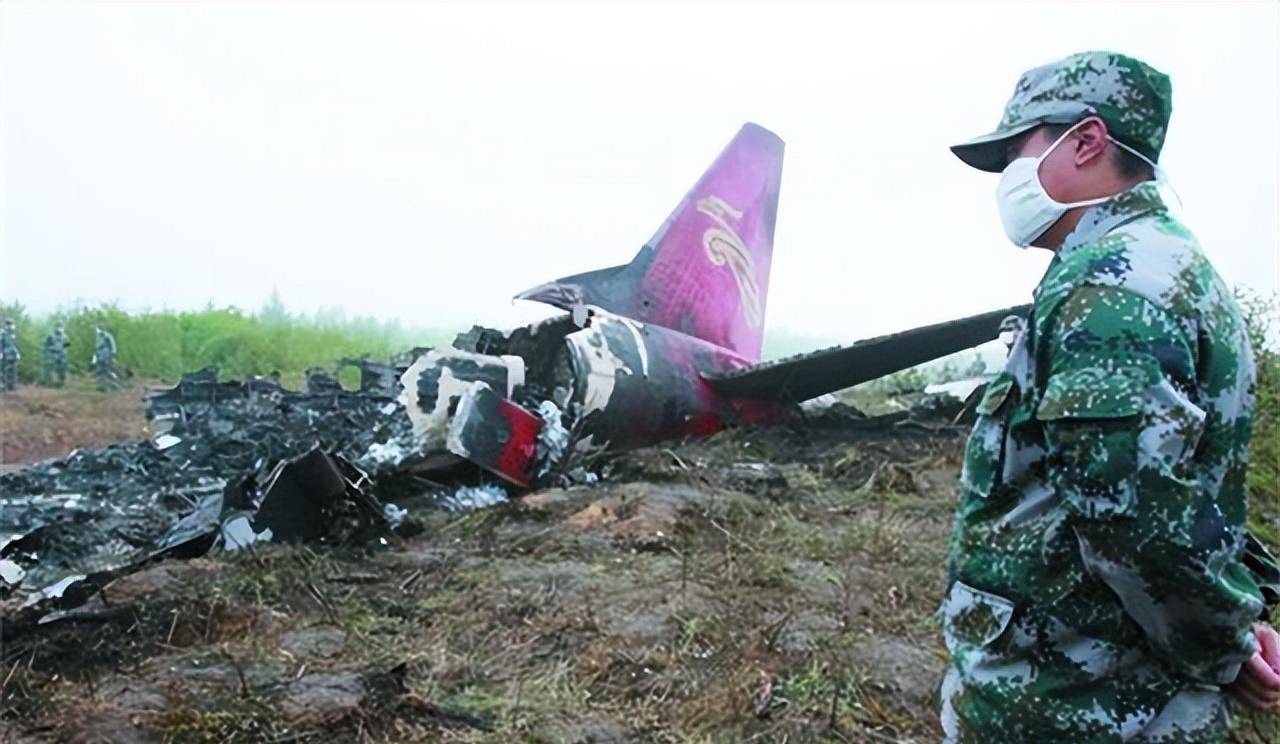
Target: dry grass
{"x": 734, "y": 610}
{"x": 763, "y": 585}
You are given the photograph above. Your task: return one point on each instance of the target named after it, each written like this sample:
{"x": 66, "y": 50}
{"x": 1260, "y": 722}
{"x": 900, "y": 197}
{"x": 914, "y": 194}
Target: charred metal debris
{"x": 228, "y": 464}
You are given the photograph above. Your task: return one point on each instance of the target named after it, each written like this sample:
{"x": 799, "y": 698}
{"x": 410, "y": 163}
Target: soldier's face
{"x": 1071, "y": 172}
{"x": 1057, "y": 170}
{"x": 1071, "y": 169}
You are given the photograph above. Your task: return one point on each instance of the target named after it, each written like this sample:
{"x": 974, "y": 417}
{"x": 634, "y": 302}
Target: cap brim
{"x": 987, "y": 153}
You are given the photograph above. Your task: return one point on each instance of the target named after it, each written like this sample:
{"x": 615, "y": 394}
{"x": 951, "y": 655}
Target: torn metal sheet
{"x": 16, "y": 552}
{"x": 317, "y": 498}
{"x": 165, "y": 441}
{"x": 194, "y": 534}
{"x": 11, "y": 574}
{"x": 435, "y": 382}
{"x": 298, "y": 497}
{"x": 237, "y": 533}
{"x": 494, "y": 433}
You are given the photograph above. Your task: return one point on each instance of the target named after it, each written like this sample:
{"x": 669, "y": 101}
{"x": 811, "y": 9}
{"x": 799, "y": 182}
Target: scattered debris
{"x": 194, "y": 485}
{"x": 315, "y": 498}
{"x": 960, "y": 389}
{"x": 763, "y": 700}
{"x": 553, "y": 439}
{"x": 475, "y": 497}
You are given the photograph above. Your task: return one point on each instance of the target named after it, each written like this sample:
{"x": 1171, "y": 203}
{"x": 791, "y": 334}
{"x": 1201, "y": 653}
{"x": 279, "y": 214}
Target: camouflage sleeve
{"x": 1121, "y": 436}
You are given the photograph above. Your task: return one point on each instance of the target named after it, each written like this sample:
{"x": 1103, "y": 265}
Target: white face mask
{"x": 1026, "y": 209}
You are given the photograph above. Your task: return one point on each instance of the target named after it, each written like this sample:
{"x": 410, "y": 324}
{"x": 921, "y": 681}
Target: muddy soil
{"x": 38, "y": 423}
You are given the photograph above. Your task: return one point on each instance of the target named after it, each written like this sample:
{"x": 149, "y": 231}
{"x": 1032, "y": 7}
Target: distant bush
{"x": 1264, "y": 454}
{"x": 163, "y": 345}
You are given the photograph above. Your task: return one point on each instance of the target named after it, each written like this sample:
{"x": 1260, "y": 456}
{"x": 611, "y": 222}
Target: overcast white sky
{"x": 427, "y": 161}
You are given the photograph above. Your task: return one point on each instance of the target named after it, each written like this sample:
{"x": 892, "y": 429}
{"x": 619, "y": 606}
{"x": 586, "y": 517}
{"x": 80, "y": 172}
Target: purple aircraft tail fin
{"x": 706, "y": 271}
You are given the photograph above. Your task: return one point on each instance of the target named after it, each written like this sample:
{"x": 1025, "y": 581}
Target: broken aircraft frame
{"x": 663, "y": 347}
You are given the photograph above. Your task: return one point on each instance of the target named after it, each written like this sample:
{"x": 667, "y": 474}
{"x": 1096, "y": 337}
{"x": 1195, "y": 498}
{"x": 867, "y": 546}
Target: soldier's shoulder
{"x": 1154, "y": 257}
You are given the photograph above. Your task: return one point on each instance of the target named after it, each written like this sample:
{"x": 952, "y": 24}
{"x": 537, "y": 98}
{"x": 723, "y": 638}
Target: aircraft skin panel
{"x": 705, "y": 272}
{"x": 494, "y": 433}
{"x": 807, "y": 376}
{"x": 639, "y": 384}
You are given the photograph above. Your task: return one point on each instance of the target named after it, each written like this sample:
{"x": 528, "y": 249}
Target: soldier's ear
{"x": 1090, "y": 141}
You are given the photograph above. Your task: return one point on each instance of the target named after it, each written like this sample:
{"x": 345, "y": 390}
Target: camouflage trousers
{"x": 106, "y": 374}
{"x": 9, "y": 374}
{"x": 977, "y": 709}
{"x": 55, "y": 373}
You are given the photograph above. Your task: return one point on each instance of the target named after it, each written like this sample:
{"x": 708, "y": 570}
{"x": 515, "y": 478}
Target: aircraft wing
{"x": 806, "y": 376}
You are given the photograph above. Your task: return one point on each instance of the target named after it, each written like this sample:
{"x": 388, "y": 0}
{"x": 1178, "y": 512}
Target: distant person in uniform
{"x": 1102, "y": 584}
{"x": 9, "y": 356}
{"x": 46, "y": 361}
{"x": 55, "y": 357}
{"x": 104, "y": 357}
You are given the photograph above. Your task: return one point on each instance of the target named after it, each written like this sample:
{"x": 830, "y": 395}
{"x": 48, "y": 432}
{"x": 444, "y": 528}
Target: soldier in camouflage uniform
{"x": 9, "y": 356}
{"x": 104, "y": 357}
{"x": 55, "y": 357}
{"x": 46, "y": 359}
{"x": 1097, "y": 591}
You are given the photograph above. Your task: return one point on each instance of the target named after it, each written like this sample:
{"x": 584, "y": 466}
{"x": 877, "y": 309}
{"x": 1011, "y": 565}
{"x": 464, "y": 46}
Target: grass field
{"x": 162, "y": 345}
{"x": 765, "y": 585}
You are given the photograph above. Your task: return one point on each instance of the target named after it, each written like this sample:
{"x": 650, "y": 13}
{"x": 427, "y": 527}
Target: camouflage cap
{"x": 1133, "y": 98}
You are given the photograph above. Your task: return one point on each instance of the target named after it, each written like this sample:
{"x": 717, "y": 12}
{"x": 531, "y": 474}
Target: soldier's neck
{"x": 1056, "y": 235}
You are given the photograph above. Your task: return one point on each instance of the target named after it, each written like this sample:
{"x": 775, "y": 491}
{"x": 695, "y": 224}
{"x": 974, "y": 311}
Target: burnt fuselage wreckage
{"x": 664, "y": 347}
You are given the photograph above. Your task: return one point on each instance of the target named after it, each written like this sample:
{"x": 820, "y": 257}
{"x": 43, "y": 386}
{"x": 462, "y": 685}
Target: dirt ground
{"x": 773, "y": 585}
{"x": 37, "y": 423}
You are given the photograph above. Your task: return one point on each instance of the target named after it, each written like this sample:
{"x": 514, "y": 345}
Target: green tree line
{"x": 163, "y": 345}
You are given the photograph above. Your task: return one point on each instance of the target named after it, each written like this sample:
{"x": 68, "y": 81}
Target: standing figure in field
{"x": 104, "y": 357}
{"x": 9, "y": 356}
{"x": 1102, "y": 584}
{"x": 46, "y": 361}
{"x": 55, "y": 357}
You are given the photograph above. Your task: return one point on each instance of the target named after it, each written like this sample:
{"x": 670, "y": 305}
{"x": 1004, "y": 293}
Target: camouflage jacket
{"x": 55, "y": 347}
{"x": 9, "y": 345}
{"x": 105, "y": 348}
{"x": 1097, "y": 592}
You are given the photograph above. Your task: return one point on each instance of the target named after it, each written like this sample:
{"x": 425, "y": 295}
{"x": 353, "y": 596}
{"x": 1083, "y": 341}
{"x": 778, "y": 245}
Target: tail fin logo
{"x": 725, "y": 248}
